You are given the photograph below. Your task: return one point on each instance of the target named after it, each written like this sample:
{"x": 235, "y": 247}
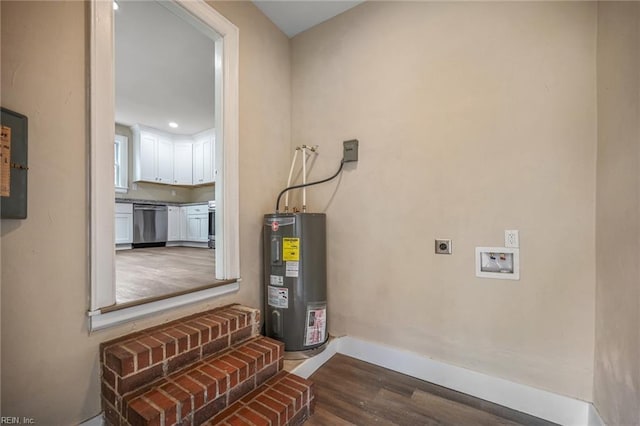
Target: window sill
{"x": 119, "y": 314}
{"x": 121, "y": 190}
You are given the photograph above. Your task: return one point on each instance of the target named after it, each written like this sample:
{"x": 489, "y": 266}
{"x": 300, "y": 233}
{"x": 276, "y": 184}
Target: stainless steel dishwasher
{"x": 149, "y": 225}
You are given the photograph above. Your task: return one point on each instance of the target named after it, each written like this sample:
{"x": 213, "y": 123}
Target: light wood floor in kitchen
{"x": 150, "y": 272}
{"x": 352, "y": 392}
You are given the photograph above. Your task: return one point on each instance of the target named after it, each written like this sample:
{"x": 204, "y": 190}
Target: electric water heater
{"x": 295, "y": 274}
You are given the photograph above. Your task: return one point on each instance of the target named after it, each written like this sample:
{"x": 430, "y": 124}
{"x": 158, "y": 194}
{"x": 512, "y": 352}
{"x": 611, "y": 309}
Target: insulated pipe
{"x": 293, "y": 163}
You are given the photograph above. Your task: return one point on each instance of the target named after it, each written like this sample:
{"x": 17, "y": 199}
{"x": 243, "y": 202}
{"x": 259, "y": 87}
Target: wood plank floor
{"x": 150, "y": 272}
{"x": 353, "y": 392}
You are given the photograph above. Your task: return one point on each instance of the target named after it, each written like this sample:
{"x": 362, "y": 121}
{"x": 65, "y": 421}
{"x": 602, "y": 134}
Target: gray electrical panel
{"x": 295, "y": 279}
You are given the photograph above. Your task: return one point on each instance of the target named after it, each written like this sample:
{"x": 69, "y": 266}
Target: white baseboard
{"x": 93, "y": 421}
{"x": 543, "y": 404}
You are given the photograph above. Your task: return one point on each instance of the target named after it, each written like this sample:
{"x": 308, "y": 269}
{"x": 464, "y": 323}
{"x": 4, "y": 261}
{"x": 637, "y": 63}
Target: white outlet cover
{"x": 512, "y": 238}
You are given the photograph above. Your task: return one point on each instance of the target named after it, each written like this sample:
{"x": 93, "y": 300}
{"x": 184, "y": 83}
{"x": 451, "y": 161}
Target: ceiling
{"x": 164, "y": 69}
{"x": 164, "y": 66}
{"x": 294, "y": 17}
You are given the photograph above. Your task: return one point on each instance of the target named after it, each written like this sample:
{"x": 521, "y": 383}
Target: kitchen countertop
{"x": 168, "y": 203}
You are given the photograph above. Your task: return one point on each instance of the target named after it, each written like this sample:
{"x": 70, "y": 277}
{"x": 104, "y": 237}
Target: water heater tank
{"x": 295, "y": 279}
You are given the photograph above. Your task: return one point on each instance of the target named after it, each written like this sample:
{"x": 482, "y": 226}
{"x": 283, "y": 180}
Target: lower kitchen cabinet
{"x": 198, "y": 227}
{"x": 124, "y": 223}
{"x": 174, "y": 228}
{"x": 188, "y": 224}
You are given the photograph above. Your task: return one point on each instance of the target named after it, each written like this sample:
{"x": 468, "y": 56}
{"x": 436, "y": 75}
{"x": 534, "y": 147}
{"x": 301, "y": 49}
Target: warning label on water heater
{"x": 291, "y": 249}
{"x": 279, "y": 297}
{"x": 291, "y": 269}
{"x": 316, "y": 327}
{"x": 276, "y": 280}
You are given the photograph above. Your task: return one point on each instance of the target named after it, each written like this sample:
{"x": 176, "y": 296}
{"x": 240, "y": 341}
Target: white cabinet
{"x": 183, "y": 163}
{"x": 204, "y": 158}
{"x": 153, "y": 156}
{"x": 173, "y": 160}
{"x": 124, "y": 223}
{"x": 197, "y": 223}
{"x": 174, "y": 227}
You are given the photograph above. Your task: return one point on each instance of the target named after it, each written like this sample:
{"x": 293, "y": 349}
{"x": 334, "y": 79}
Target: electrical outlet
{"x": 511, "y": 238}
{"x": 443, "y": 246}
{"x": 350, "y": 151}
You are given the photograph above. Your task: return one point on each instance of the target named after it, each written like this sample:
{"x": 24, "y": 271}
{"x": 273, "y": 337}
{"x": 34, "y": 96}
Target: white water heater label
{"x": 279, "y": 297}
{"x": 316, "y": 326}
{"x": 291, "y": 269}
{"x": 277, "y": 280}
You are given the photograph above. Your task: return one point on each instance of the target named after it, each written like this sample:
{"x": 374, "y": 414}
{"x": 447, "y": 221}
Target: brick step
{"x": 285, "y": 399}
{"x": 196, "y": 394}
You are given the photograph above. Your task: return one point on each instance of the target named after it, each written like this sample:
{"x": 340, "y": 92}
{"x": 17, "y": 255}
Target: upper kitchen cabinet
{"x": 183, "y": 163}
{"x": 203, "y": 158}
{"x": 152, "y": 156}
{"x": 164, "y": 158}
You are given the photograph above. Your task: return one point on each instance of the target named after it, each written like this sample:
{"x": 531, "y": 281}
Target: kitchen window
{"x": 102, "y": 311}
{"x": 120, "y": 167}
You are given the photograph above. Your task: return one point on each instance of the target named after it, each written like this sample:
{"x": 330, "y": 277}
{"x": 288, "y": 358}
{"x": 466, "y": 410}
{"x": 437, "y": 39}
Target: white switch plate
{"x": 511, "y": 238}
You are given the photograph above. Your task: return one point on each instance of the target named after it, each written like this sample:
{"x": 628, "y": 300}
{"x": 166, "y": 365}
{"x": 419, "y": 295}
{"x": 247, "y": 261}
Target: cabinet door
{"x": 183, "y": 163}
{"x": 204, "y": 228}
{"x": 124, "y": 228}
{"x": 165, "y": 160}
{"x": 193, "y": 228}
{"x": 173, "y": 224}
{"x": 183, "y": 223}
{"x": 198, "y": 162}
{"x": 148, "y": 154}
{"x": 207, "y": 161}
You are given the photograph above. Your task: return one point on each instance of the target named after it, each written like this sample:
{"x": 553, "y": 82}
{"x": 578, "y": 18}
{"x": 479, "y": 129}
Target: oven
{"x": 212, "y": 224}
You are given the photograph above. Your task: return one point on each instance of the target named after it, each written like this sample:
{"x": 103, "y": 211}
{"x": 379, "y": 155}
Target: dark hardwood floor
{"x": 151, "y": 272}
{"x": 353, "y": 392}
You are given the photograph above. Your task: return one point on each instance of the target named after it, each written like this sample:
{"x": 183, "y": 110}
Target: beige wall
{"x": 617, "y": 354}
{"x": 472, "y": 118}
{"x": 49, "y": 363}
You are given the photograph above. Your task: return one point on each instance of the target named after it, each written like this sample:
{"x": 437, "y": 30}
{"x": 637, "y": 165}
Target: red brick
{"x": 168, "y": 406}
{"x": 253, "y": 417}
{"x": 276, "y": 406}
{"x": 209, "y": 410}
{"x": 221, "y": 377}
{"x": 168, "y": 342}
{"x": 229, "y": 369}
{"x": 108, "y": 376}
{"x": 253, "y": 354}
{"x": 195, "y": 389}
{"x": 179, "y": 395}
{"x": 241, "y": 389}
{"x": 297, "y": 386}
{"x": 240, "y": 335}
{"x": 183, "y": 360}
{"x": 193, "y": 333}
{"x": 266, "y": 373}
{"x": 299, "y": 418}
{"x": 134, "y": 381}
{"x": 119, "y": 360}
{"x": 242, "y": 316}
{"x": 143, "y": 354}
{"x": 210, "y": 384}
{"x": 214, "y": 326}
{"x": 141, "y": 413}
{"x": 109, "y": 394}
{"x": 182, "y": 339}
{"x": 283, "y": 399}
{"x": 266, "y": 412}
{"x": 203, "y": 330}
{"x": 155, "y": 346}
{"x": 215, "y": 346}
{"x": 230, "y": 320}
{"x": 266, "y": 352}
{"x": 227, "y": 412}
{"x": 223, "y": 324}
{"x": 275, "y": 379}
{"x": 292, "y": 393}
{"x": 241, "y": 366}
{"x": 237, "y": 421}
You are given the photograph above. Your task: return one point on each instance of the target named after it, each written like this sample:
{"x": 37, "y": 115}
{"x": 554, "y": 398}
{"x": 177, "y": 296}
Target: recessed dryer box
{"x": 501, "y": 263}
